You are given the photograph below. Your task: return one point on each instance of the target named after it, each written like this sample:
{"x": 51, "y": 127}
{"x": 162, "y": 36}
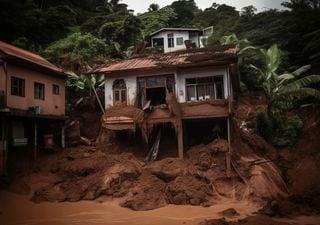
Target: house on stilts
{"x": 191, "y": 91}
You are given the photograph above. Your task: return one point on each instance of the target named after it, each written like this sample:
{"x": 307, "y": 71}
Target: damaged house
{"x": 32, "y": 101}
{"x": 185, "y": 96}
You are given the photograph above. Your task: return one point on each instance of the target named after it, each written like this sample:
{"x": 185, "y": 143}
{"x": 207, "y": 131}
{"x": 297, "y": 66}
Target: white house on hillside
{"x": 173, "y": 39}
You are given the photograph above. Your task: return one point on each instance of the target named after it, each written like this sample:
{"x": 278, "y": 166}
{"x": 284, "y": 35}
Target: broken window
{"x": 119, "y": 92}
{"x": 204, "y": 88}
{"x": 154, "y": 89}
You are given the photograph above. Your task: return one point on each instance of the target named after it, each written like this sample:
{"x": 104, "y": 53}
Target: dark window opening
{"x": 157, "y": 96}
{"x": 154, "y": 89}
{"x": 170, "y": 41}
{"x": 38, "y": 91}
{"x": 157, "y": 42}
{"x": 17, "y": 86}
{"x": 204, "y": 131}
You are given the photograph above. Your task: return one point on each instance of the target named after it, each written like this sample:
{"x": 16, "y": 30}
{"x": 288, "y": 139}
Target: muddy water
{"x": 18, "y": 210}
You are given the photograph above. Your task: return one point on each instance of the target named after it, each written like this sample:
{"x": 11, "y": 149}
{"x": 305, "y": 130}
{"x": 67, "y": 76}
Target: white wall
{"x": 176, "y": 34}
{"x": 180, "y": 85}
{"x": 183, "y": 75}
{"x": 131, "y": 83}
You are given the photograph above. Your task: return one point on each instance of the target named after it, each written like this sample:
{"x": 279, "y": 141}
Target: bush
{"x": 287, "y": 131}
{"x": 279, "y": 130}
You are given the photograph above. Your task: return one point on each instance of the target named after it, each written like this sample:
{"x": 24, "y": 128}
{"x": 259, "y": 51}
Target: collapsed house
{"x": 190, "y": 91}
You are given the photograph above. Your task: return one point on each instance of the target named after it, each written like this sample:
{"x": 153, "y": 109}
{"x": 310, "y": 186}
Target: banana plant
{"x": 284, "y": 88}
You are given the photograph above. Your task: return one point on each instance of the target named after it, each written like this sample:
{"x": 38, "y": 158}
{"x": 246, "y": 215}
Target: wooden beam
{"x": 180, "y": 140}
{"x": 228, "y": 154}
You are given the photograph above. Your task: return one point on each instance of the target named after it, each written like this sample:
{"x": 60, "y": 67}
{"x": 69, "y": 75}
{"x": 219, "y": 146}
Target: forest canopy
{"x": 47, "y": 26}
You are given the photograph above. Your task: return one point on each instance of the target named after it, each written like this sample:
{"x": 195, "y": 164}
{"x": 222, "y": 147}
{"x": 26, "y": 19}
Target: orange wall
{"x": 51, "y": 105}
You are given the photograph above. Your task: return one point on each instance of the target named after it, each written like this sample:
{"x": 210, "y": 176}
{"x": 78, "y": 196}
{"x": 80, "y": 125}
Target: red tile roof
{"x": 13, "y": 52}
{"x": 221, "y": 54}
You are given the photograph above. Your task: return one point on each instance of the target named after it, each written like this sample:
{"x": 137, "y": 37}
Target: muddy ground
{"x": 283, "y": 183}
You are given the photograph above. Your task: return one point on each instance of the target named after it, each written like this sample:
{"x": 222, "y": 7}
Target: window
{"x": 180, "y": 41}
{"x": 154, "y": 89}
{"x": 119, "y": 92}
{"x": 17, "y": 86}
{"x": 38, "y": 91}
{"x": 55, "y": 89}
{"x": 170, "y": 41}
{"x": 204, "y": 88}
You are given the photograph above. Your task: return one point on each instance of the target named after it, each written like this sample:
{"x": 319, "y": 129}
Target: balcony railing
{"x": 2, "y": 100}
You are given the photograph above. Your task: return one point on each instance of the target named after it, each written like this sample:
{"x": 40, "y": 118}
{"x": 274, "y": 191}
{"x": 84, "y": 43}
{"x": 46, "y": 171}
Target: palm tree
{"x": 283, "y": 89}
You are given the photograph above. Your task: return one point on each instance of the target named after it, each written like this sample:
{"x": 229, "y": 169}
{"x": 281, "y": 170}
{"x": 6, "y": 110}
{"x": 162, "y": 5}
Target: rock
{"x": 168, "y": 169}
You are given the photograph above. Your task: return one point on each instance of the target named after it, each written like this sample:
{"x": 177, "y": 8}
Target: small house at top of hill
{"x": 190, "y": 91}
{"x": 174, "y": 39}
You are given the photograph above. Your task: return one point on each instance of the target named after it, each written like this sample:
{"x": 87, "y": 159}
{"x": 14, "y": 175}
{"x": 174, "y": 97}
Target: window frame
{"x": 121, "y": 92}
{"x": 18, "y": 89}
{"x": 39, "y": 94}
{"x": 55, "y": 89}
{"x": 197, "y": 84}
{"x": 169, "y": 80}
{"x": 179, "y": 41}
{"x": 170, "y": 38}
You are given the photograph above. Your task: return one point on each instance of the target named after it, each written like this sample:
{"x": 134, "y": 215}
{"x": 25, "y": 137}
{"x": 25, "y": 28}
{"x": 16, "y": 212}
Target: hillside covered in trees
{"x": 90, "y": 28}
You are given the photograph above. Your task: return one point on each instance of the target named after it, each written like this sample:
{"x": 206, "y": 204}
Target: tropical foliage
{"x": 282, "y": 89}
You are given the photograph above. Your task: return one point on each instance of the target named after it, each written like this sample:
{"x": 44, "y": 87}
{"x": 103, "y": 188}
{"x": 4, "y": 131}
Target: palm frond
{"x": 301, "y": 70}
{"x": 302, "y": 82}
{"x": 301, "y": 92}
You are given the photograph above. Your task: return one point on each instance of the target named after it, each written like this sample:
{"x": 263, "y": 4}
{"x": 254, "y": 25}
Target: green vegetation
{"x": 87, "y": 29}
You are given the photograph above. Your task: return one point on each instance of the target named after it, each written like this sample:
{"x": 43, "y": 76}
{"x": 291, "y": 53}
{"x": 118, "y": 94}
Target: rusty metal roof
{"x": 221, "y": 54}
{"x": 13, "y": 52}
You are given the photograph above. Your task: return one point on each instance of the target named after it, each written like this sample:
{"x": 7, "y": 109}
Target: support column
{"x": 63, "y": 145}
{"x": 4, "y": 147}
{"x": 228, "y": 154}
{"x": 35, "y": 139}
{"x": 180, "y": 140}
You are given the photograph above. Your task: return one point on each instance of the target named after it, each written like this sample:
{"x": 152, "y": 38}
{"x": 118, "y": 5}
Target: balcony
{"x": 2, "y": 99}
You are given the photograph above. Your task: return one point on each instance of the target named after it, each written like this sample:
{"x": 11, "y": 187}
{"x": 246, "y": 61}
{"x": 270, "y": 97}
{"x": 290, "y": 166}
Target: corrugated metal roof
{"x": 200, "y": 56}
{"x": 15, "y": 52}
